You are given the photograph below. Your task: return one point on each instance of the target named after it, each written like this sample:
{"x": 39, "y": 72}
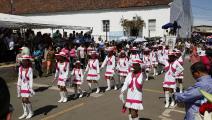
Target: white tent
{"x": 140, "y": 40}
{"x": 15, "y": 21}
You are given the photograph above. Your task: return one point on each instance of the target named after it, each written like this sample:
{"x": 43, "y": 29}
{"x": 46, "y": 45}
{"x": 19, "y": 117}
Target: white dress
{"x": 110, "y": 66}
{"x": 147, "y": 62}
{"x": 133, "y": 85}
{"x": 62, "y": 73}
{"x": 169, "y": 79}
{"x": 93, "y": 69}
{"x": 25, "y": 81}
{"x": 123, "y": 66}
{"x": 179, "y": 69}
{"x": 78, "y": 76}
{"x": 154, "y": 58}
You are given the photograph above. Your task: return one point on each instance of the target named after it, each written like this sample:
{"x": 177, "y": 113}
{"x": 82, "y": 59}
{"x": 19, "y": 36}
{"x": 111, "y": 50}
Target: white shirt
{"x": 81, "y": 51}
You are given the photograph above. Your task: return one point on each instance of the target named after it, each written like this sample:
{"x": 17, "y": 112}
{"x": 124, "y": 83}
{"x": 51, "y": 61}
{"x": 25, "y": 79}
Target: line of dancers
{"x": 132, "y": 70}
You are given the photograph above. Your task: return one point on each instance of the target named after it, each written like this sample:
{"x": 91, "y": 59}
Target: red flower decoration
{"x": 205, "y": 107}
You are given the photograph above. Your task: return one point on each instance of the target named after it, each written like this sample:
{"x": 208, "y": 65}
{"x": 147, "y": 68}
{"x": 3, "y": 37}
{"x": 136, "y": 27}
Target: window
{"x": 152, "y": 25}
{"x": 106, "y": 25}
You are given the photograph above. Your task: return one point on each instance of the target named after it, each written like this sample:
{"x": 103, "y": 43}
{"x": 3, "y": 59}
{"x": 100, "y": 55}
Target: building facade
{"x": 104, "y": 16}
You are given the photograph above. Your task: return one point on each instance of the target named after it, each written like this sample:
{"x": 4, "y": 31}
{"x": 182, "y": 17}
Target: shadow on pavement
{"x": 44, "y": 110}
{"x": 41, "y": 89}
{"x": 144, "y": 119}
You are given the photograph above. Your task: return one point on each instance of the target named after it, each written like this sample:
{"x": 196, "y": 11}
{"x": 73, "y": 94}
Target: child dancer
{"x": 25, "y": 86}
{"x": 78, "y": 79}
{"x": 93, "y": 75}
{"x": 154, "y": 60}
{"x": 133, "y": 84}
{"x": 109, "y": 62}
{"x": 61, "y": 74}
{"x": 147, "y": 62}
{"x": 179, "y": 64}
{"x": 122, "y": 66}
{"x": 169, "y": 84}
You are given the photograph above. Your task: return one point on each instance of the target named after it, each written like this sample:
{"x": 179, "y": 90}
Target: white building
{"x": 99, "y": 13}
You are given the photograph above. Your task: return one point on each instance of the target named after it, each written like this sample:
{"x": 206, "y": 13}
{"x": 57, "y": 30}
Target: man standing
{"x": 192, "y": 97}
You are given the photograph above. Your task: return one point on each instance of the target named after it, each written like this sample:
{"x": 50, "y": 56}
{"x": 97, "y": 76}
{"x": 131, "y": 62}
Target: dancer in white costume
{"x": 154, "y": 58}
{"x": 93, "y": 75}
{"x": 77, "y": 74}
{"x": 122, "y": 66}
{"x": 179, "y": 62}
{"x": 169, "y": 84}
{"x": 62, "y": 75}
{"x": 109, "y": 62}
{"x": 25, "y": 86}
{"x": 147, "y": 62}
{"x": 133, "y": 84}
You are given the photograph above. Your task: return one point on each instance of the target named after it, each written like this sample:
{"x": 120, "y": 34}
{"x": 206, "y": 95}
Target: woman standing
{"x": 49, "y": 59}
{"x": 133, "y": 84}
{"x": 93, "y": 75}
{"x": 25, "y": 86}
{"x": 62, "y": 75}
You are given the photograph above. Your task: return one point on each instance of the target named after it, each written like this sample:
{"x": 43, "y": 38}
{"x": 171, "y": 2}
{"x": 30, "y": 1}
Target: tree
{"x": 134, "y": 25}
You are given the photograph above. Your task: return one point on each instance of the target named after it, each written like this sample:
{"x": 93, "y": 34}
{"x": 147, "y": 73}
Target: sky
{"x": 202, "y": 12}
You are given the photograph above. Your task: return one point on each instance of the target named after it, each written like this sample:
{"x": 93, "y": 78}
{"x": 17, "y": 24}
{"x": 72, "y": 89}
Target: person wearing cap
{"x": 122, "y": 66}
{"x": 77, "y": 74}
{"x": 109, "y": 62}
{"x": 93, "y": 71}
{"x": 133, "y": 84}
{"x": 62, "y": 75}
{"x": 25, "y": 85}
{"x": 192, "y": 97}
{"x": 147, "y": 61}
{"x": 169, "y": 84}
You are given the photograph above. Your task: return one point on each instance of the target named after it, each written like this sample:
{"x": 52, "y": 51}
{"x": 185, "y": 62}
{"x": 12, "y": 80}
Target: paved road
{"x": 103, "y": 106}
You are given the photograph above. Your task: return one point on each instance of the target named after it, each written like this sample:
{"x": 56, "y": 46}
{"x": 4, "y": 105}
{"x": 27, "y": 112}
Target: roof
{"x": 51, "y": 6}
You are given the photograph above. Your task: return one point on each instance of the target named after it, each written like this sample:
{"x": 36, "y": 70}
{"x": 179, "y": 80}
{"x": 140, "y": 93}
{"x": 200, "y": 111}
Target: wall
{"x": 94, "y": 18}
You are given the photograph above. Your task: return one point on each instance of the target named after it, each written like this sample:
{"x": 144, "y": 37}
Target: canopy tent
{"x": 15, "y": 21}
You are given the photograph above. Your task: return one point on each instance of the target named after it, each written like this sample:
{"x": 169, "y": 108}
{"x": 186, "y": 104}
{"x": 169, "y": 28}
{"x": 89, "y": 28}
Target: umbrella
{"x": 168, "y": 25}
{"x": 140, "y": 40}
{"x": 123, "y": 38}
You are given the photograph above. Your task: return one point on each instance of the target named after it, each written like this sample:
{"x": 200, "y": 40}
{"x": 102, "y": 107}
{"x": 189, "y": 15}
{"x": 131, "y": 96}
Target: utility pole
{"x": 11, "y": 6}
{"x": 106, "y": 31}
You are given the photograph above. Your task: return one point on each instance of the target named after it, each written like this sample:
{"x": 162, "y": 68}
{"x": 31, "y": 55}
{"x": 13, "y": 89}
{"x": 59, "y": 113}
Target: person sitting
{"x": 192, "y": 97}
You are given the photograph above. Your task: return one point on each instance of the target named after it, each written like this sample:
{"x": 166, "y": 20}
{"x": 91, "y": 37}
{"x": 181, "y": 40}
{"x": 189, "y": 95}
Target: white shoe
{"x": 23, "y": 116}
{"x": 172, "y": 104}
{"x": 81, "y": 95}
{"x": 65, "y": 99}
{"x": 147, "y": 79}
{"x": 167, "y": 105}
{"x": 29, "y": 116}
{"x": 97, "y": 90}
{"x": 61, "y": 100}
{"x": 115, "y": 88}
{"x": 181, "y": 91}
{"x": 156, "y": 74}
{"x": 108, "y": 88}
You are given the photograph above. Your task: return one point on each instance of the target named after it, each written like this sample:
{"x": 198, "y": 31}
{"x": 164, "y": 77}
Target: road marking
{"x": 163, "y": 118}
{"x": 166, "y": 112}
{"x": 179, "y": 111}
{"x": 62, "y": 112}
{"x": 6, "y": 66}
{"x": 153, "y": 91}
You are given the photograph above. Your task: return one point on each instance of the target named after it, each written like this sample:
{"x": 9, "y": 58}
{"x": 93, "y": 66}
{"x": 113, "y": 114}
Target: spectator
{"x": 209, "y": 55}
{"x": 5, "y": 107}
{"x": 192, "y": 97}
{"x": 81, "y": 54}
{"x": 37, "y": 54}
{"x": 49, "y": 59}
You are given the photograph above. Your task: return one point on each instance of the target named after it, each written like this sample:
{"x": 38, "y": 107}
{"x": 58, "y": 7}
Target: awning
{"x": 15, "y": 21}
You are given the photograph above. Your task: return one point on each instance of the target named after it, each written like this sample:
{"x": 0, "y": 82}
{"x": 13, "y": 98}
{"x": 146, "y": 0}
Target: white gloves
{"x": 121, "y": 97}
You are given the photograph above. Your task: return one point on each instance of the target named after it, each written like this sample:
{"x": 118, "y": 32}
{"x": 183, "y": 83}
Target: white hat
{"x": 63, "y": 54}
{"x": 110, "y": 49}
{"x": 139, "y": 61}
{"x": 134, "y": 49}
{"x": 25, "y": 57}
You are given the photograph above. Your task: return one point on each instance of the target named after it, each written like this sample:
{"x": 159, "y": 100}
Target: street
{"x": 103, "y": 106}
